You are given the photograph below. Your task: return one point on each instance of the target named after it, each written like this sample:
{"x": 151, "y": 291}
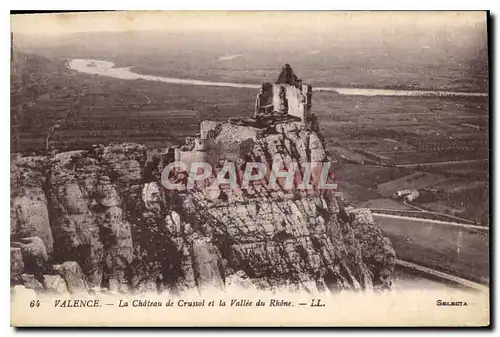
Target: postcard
{"x": 284, "y": 168}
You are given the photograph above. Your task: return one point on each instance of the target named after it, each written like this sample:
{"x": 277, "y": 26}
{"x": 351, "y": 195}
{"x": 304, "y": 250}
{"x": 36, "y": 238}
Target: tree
{"x": 75, "y": 106}
{"x": 56, "y": 125}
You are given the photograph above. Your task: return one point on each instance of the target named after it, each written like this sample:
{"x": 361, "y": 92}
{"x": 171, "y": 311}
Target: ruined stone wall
{"x": 278, "y": 106}
{"x": 298, "y": 100}
{"x": 295, "y": 107}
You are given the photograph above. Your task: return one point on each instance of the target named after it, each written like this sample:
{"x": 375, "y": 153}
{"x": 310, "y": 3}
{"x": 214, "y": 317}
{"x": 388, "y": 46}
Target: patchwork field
{"x": 375, "y": 134}
{"x": 369, "y": 135}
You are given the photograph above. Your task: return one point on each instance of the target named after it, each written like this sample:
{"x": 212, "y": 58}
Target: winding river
{"x": 106, "y": 68}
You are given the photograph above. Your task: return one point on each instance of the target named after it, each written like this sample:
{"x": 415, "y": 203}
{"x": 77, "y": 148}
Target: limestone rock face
{"x": 16, "y": 264}
{"x": 293, "y": 241}
{"x": 102, "y": 223}
{"x": 73, "y": 276}
{"x": 207, "y": 265}
{"x": 87, "y": 209}
{"x": 239, "y": 280}
{"x": 34, "y": 254}
{"x": 31, "y": 282}
{"x": 54, "y": 284}
{"x": 29, "y": 213}
{"x": 378, "y": 254}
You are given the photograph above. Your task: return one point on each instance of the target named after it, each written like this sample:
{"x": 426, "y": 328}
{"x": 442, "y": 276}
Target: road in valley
{"x": 472, "y": 161}
{"x": 457, "y": 249}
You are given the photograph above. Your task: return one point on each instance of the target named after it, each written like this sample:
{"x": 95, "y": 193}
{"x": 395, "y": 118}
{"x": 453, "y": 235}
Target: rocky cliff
{"x": 100, "y": 219}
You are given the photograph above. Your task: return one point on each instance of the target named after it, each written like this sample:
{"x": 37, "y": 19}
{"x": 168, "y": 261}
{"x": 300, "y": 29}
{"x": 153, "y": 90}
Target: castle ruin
{"x": 288, "y": 95}
{"x": 287, "y": 100}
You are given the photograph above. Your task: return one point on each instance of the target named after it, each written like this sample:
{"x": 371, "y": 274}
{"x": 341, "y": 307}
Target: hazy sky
{"x": 49, "y": 24}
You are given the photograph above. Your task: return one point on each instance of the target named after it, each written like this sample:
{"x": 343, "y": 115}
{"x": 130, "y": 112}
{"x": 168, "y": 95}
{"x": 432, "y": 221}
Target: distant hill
{"x": 448, "y": 58}
{"x": 42, "y": 90}
{"x": 97, "y": 109}
{"x": 33, "y": 76}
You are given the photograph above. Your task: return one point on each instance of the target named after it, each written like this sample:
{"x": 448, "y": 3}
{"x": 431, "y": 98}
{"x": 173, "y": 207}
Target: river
{"x": 106, "y": 68}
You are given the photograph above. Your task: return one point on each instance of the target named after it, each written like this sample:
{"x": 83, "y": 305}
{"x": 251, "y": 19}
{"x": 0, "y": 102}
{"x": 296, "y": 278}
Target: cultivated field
{"x": 378, "y": 131}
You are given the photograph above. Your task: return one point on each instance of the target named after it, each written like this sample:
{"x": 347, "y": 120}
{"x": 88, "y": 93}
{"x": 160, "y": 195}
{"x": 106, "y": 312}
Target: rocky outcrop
{"x": 55, "y": 284}
{"x": 30, "y": 282}
{"x": 238, "y": 281}
{"x": 97, "y": 219}
{"x": 207, "y": 264}
{"x": 378, "y": 254}
{"x": 73, "y": 276}
{"x": 16, "y": 264}
{"x": 29, "y": 212}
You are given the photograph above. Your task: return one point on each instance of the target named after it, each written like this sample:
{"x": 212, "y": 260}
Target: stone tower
{"x": 291, "y": 96}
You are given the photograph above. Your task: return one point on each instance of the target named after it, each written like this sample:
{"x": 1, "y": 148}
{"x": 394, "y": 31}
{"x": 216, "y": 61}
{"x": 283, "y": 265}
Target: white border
{"x": 492, "y": 5}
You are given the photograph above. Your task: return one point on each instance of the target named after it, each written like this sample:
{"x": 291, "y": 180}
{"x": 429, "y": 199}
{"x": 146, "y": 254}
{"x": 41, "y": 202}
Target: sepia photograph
{"x": 250, "y": 168}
